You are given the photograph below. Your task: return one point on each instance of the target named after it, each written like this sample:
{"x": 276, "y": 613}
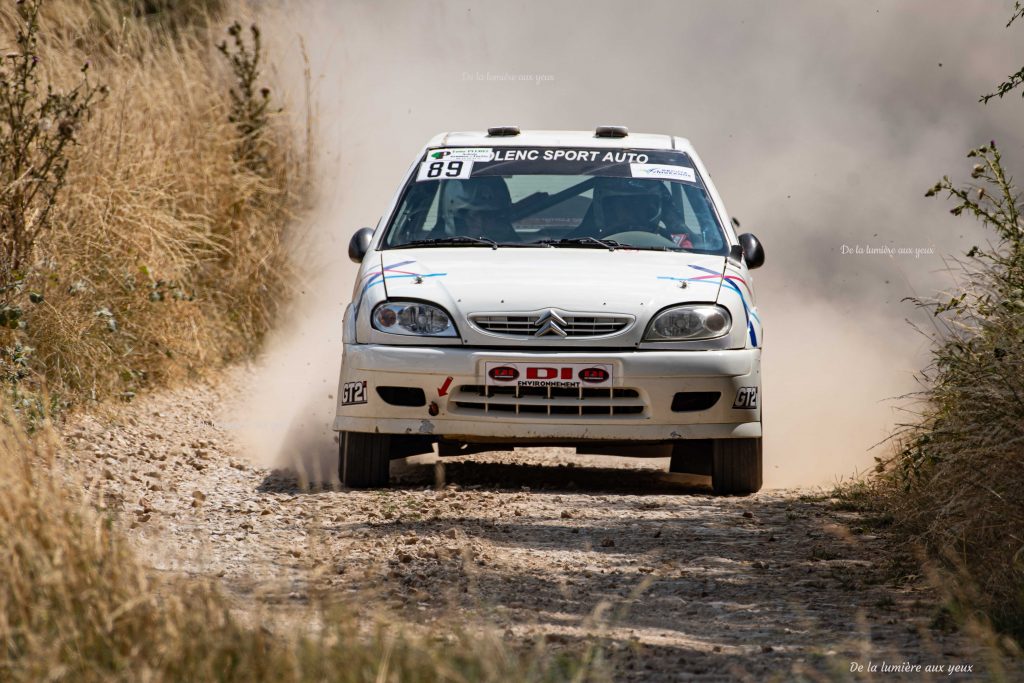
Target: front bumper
{"x": 645, "y": 382}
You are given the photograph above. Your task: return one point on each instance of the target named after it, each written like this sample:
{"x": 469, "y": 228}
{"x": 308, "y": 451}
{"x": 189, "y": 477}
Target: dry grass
{"x": 77, "y": 605}
{"x": 167, "y": 256}
{"x": 166, "y": 259}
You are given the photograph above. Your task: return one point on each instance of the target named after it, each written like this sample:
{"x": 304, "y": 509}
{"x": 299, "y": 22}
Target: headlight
{"x": 681, "y": 323}
{"x": 413, "y": 318}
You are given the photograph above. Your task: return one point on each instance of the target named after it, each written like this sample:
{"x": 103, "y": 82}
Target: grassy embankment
{"x": 145, "y": 207}
{"x": 143, "y": 211}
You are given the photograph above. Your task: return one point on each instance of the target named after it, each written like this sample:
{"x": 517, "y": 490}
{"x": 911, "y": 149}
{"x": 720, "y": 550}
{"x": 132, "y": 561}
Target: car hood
{"x": 470, "y": 282}
{"x": 477, "y": 279}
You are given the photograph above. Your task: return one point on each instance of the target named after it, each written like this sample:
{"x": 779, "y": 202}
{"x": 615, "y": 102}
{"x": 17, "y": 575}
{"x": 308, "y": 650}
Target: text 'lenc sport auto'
{"x": 560, "y": 288}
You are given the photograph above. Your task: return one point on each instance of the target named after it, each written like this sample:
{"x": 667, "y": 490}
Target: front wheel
{"x": 736, "y": 466}
{"x": 363, "y": 459}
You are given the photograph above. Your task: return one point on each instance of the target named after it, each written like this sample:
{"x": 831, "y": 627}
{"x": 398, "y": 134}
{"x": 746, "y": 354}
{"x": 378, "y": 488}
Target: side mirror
{"x": 360, "y": 244}
{"x": 753, "y": 252}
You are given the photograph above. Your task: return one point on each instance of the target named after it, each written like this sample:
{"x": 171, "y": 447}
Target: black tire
{"x": 363, "y": 459}
{"x": 692, "y": 456}
{"x": 736, "y": 467}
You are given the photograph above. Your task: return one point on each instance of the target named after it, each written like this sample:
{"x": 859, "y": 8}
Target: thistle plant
{"x": 249, "y": 101}
{"x": 997, "y": 270}
{"x": 1017, "y": 79}
{"x": 37, "y": 126}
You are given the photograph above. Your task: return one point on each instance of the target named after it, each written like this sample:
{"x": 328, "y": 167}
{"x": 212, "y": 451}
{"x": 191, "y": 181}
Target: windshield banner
{"x": 465, "y": 162}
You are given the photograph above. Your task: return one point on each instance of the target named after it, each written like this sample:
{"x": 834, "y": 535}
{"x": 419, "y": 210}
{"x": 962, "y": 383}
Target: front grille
{"x": 547, "y": 401}
{"x": 529, "y": 324}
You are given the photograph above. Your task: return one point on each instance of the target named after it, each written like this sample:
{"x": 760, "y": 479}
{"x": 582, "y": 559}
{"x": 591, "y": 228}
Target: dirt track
{"x": 678, "y": 583}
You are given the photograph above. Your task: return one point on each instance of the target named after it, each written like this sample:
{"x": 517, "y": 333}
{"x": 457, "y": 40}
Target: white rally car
{"x": 562, "y": 288}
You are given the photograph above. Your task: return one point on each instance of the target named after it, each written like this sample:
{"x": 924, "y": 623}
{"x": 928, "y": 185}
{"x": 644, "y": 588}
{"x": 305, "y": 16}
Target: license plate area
{"x": 546, "y": 390}
{"x": 549, "y": 378}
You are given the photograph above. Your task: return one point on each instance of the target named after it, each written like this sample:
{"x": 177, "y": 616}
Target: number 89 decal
{"x": 444, "y": 169}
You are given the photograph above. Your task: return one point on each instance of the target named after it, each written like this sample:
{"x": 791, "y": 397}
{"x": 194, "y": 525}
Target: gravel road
{"x": 677, "y": 584}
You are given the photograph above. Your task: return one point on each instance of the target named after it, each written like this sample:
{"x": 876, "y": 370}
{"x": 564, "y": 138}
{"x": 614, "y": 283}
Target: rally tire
{"x": 736, "y": 466}
{"x": 363, "y": 459}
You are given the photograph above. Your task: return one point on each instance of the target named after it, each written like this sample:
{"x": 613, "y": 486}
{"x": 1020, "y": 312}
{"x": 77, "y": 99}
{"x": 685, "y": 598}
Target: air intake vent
{"x": 409, "y": 397}
{"x": 611, "y": 132}
{"x": 692, "y": 401}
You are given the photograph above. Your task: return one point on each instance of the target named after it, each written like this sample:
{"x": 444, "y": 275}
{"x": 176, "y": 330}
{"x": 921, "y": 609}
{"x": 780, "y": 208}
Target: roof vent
{"x": 611, "y": 132}
{"x": 503, "y": 131}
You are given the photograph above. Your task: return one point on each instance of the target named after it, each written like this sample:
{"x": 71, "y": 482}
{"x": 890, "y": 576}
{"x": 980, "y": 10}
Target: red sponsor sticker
{"x": 594, "y": 375}
{"x": 558, "y": 375}
{"x": 503, "y": 373}
{"x": 545, "y": 372}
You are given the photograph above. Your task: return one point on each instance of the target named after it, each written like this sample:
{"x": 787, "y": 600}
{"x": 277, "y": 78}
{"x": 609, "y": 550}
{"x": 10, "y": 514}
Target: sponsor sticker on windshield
{"x": 663, "y": 171}
{"x": 562, "y": 154}
{"x": 461, "y": 153}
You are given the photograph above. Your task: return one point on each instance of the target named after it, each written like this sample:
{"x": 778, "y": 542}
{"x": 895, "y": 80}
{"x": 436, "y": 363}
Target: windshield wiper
{"x": 640, "y": 228}
{"x": 454, "y": 240}
{"x": 610, "y": 245}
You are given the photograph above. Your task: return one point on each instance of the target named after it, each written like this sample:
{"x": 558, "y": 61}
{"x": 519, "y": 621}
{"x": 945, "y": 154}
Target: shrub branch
{"x": 36, "y": 128}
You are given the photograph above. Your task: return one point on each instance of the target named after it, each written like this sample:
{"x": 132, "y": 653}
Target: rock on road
{"x": 677, "y": 584}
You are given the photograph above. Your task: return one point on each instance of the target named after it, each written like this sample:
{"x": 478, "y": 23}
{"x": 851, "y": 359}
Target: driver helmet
{"x": 476, "y": 206}
{"x": 624, "y": 203}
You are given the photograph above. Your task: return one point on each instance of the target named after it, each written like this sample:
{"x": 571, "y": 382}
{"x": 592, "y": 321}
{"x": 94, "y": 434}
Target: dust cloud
{"x": 822, "y": 125}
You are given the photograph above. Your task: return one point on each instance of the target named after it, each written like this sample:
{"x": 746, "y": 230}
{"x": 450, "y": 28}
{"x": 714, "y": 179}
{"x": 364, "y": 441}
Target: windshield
{"x": 556, "y": 197}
